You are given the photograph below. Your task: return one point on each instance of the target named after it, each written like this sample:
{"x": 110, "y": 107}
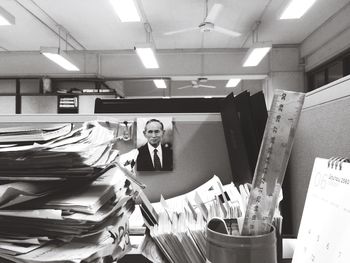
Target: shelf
{"x": 79, "y": 94}
{"x": 37, "y": 94}
{"x": 57, "y": 94}
{"x": 21, "y": 91}
{"x": 7, "y": 94}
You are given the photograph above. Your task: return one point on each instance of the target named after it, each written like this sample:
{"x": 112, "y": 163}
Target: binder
{"x": 252, "y": 116}
{"x": 243, "y": 119}
{"x": 241, "y": 170}
{"x": 259, "y": 115}
{"x": 325, "y": 225}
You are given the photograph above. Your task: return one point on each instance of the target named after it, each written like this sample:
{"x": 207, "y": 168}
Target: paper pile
{"x": 178, "y": 225}
{"x": 64, "y": 200}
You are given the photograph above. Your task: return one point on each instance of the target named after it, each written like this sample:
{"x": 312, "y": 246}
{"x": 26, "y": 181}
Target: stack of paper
{"x": 179, "y": 224}
{"x": 76, "y": 211}
{"x": 80, "y": 154}
{"x": 33, "y": 133}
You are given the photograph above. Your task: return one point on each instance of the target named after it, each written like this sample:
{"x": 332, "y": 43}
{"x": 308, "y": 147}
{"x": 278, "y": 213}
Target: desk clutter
{"x": 180, "y": 223}
{"x": 205, "y": 223}
{"x": 63, "y": 198}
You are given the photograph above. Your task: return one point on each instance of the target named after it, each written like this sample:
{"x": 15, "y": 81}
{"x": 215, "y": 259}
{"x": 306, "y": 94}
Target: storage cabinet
{"x": 32, "y": 95}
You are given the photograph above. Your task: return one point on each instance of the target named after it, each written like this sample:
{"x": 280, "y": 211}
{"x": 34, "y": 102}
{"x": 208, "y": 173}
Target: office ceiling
{"x": 92, "y": 25}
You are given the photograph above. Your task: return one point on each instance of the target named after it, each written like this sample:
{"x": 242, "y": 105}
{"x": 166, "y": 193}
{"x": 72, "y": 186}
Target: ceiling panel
{"x": 175, "y": 15}
{"x": 295, "y": 31}
{"x": 94, "y": 24}
{"x": 27, "y": 33}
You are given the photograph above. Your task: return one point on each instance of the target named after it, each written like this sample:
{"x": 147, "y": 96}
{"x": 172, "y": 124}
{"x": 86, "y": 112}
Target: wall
{"x": 285, "y": 72}
{"x": 39, "y": 104}
{"x": 7, "y": 103}
{"x": 281, "y": 66}
{"x": 194, "y": 164}
{"x": 7, "y": 86}
{"x": 181, "y": 62}
{"x": 127, "y": 64}
{"x": 328, "y": 40}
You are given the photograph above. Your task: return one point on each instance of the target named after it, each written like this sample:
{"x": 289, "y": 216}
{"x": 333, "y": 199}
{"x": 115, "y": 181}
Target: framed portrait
{"x": 155, "y": 144}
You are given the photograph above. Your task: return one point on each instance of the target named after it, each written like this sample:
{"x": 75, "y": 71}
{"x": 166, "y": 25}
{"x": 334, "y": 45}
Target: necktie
{"x": 157, "y": 164}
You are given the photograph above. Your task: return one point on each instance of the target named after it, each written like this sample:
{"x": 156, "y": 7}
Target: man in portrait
{"x": 154, "y": 155}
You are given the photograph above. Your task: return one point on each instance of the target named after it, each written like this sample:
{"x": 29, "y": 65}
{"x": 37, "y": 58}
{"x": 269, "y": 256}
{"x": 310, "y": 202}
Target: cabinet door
{"x": 39, "y": 104}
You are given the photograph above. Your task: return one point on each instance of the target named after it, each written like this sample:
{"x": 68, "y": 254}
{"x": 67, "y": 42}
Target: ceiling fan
{"x": 208, "y": 24}
{"x": 198, "y": 84}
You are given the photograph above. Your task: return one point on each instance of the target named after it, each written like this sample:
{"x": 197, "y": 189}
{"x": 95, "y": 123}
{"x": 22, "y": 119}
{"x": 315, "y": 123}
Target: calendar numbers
{"x": 321, "y": 180}
{"x": 325, "y": 224}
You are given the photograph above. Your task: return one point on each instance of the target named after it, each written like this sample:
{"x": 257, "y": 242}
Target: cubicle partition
{"x": 243, "y": 118}
{"x": 199, "y": 148}
{"x": 323, "y": 131}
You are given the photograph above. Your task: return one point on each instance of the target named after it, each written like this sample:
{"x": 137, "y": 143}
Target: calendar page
{"x": 324, "y": 231}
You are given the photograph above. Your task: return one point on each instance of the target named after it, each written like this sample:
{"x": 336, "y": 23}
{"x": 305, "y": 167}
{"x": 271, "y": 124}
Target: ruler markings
{"x": 272, "y": 161}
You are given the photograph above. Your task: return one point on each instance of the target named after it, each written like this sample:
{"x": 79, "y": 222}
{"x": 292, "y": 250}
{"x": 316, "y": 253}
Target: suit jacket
{"x": 144, "y": 160}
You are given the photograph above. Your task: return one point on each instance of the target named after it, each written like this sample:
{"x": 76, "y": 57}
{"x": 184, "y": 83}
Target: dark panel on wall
{"x": 18, "y": 97}
{"x": 175, "y": 105}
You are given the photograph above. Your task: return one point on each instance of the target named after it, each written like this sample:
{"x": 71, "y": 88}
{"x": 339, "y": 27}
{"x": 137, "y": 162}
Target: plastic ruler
{"x": 272, "y": 162}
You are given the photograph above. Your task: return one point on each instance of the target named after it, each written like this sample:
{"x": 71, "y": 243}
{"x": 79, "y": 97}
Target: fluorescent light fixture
{"x": 208, "y": 97}
{"x": 160, "y": 83}
{"x": 296, "y": 9}
{"x": 126, "y": 10}
{"x": 147, "y": 56}
{"x": 232, "y": 83}
{"x": 6, "y": 19}
{"x": 59, "y": 57}
{"x": 256, "y": 53}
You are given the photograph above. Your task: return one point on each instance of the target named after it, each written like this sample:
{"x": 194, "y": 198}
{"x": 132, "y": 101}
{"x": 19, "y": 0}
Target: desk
{"x": 135, "y": 256}
{"x": 141, "y": 259}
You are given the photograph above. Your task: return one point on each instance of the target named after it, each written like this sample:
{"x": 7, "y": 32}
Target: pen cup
{"x": 223, "y": 248}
